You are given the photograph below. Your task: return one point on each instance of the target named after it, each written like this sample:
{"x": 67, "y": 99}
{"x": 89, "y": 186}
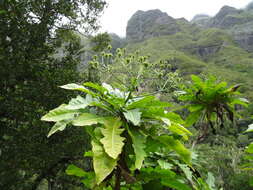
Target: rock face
{"x": 152, "y": 23}
{"x": 243, "y": 35}
{"x": 226, "y": 17}
{"x": 237, "y": 23}
{"x": 201, "y": 20}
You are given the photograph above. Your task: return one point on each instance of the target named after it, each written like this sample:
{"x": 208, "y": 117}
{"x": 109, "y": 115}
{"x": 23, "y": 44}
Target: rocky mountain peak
{"x": 151, "y": 23}
{"x": 224, "y": 11}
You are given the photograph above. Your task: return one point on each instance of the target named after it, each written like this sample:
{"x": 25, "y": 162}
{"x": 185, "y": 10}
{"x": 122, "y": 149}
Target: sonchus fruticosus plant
{"x": 211, "y": 102}
{"x": 126, "y": 131}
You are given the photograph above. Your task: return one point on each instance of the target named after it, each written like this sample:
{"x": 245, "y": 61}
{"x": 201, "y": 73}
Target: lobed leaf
{"x": 112, "y": 141}
{"x": 139, "y": 145}
{"x": 103, "y": 164}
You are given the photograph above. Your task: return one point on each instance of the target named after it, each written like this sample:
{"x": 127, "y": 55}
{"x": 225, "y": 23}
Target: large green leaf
{"x": 88, "y": 178}
{"x": 139, "y": 146}
{"x": 164, "y": 164}
{"x": 133, "y": 115}
{"x": 88, "y": 119}
{"x": 103, "y": 164}
{"x": 97, "y": 87}
{"x": 180, "y": 130}
{"x": 197, "y": 81}
{"x": 140, "y": 102}
{"x": 250, "y": 128}
{"x": 176, "y": 128}
{"x": 73, "y": 86}
{"x": 192, "y": 118}
{"x": 177, "y": 146}
{"x": 187, "y": 171}
{"x": 60, "y": 113}
{"x": 249, "y": 149}
{"x": 58, "y": 126}
{"x": 77, "y": 103}
{"x": 112, "y": 141}
{"x": 175, "y": 184}
{"x": 74, "y": 170}
{"x": 151, "y": 173}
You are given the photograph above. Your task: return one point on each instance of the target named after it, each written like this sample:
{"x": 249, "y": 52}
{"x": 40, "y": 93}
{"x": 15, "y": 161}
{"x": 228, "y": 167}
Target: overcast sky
{"x": 118, "y": 12}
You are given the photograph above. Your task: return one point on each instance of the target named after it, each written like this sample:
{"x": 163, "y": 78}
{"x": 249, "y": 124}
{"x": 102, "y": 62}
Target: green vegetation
{"x": 167, "y": 121}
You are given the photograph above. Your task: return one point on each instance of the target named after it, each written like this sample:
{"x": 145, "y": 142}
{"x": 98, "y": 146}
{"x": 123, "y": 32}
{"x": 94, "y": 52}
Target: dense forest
{"x": 168, "y": 107}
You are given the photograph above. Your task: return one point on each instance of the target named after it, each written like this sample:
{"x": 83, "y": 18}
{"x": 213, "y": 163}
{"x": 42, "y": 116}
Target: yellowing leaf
{"x": 60, "y": 113}
{"x": 103, "y": 164}
{"x": 87, "y": 119}
{"x": 112, "y": 141}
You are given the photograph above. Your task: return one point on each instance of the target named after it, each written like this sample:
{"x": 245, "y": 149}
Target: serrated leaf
{"x": 103, "y": 164}
{"x": 85, "y": 119}
{"x": 139, "y": 145}
{"x": 58, "y": 126}
{"x": 177, "y": 146}
{"x": 133, "y": 115}
{"x": 60, "y": 113}
{"x": 76, "y": 171}
{"x": 112, "y": 141}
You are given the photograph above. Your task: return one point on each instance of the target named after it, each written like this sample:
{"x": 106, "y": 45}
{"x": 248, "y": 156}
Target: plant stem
{"x": 117, "y": 179}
